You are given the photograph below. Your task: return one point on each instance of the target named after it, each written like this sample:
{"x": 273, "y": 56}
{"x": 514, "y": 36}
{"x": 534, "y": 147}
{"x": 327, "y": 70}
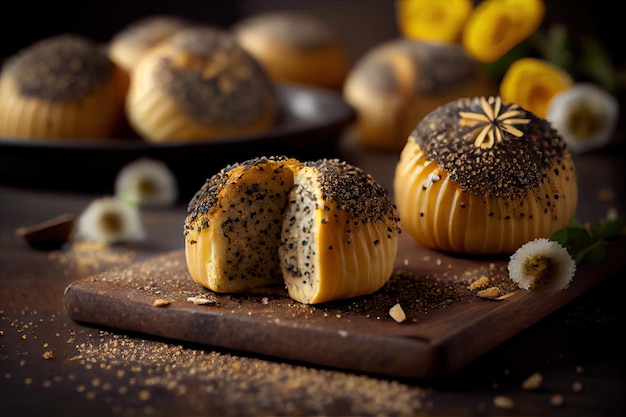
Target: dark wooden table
{"x": 51, "y": 365}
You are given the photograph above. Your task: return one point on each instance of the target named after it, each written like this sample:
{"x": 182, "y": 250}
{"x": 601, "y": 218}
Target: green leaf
{"x": 596, "y": 63}
{"x": 560, "y": 236}
{"x": 612, "y": 229}
{"x": 589, "y": 243}
{"x": 595, "y": 255}
{"x": 555, "y": 46}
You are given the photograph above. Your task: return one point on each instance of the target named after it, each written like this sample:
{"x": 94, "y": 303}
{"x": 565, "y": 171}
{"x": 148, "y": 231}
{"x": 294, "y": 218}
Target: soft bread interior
{"x": 272, "y": 223}
{"x": 239, "y": 251}
{"x": 327, "y": 253}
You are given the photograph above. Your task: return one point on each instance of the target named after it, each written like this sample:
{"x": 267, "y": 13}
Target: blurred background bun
{"x": 128, "y": 45}
{"x": 295, "y": 47}
{"x": 396, "y": 83}
{"x": 63, "y": 86}
{"x": 200, "y": 84}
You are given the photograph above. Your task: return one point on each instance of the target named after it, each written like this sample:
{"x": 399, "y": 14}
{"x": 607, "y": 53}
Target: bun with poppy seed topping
{"x": 199, "y": 84}
{"x": 397, "y": 83}
{"x": 478, "y": 176}
{"x": 62, "y": 87}
{"x": 339, "y": 233}
{"x": 324, "y": 229}
{"x": 233, "y": 226}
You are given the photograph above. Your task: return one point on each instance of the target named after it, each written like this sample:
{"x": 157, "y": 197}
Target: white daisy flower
{"x": 147, "y": 182}
{"x": 110, "y": 220}
{"x": 542, "y": 265}
{"x": 585, "y": 116}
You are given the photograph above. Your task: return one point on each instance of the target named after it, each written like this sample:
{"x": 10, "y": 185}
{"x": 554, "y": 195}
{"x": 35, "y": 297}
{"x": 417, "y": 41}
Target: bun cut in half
{"x": 324, "y": 229}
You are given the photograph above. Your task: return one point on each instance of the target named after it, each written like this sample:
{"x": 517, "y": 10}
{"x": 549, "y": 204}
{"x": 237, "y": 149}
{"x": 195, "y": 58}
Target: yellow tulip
{"x": 496, "y": 26}
{"x": 531, "y": 83}
{"x": 433, "y": 20}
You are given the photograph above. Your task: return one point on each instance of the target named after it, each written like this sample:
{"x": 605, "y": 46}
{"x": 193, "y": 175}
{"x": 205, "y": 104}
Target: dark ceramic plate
{"x": 309, "y": 126}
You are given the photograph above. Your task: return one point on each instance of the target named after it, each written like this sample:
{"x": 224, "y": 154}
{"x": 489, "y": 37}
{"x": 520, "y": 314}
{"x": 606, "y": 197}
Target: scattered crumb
{"x": 397, "y": 313}
{"x": 200, "y": 301}
{"x": 481, "y": 282}
{"x": 580, "y": 369}
{"x": 490, "y": 293}
{"x": 507, "y": 295}
{"x": 165, "y": 369}
{"x": 159, "y": 302}
{"x": 501, "y": 401}
{"x": 577, "y": 386}
{"x": 48, "y": 354}
{"x": 88, "y": 257}
{"x": 533, "y": 382}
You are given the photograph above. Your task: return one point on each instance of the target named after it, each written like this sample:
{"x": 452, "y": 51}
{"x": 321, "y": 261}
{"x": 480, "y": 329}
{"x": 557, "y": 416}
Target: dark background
{"x": 359, "y": 23}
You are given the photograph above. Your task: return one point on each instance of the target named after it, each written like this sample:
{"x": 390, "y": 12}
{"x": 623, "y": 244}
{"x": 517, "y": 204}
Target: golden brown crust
{"x": 297, "y": 29}
{"x": 354, "y": 191}
{"x": 339, "y": 233}
{"x": 481, "y": 177}
{"x": 128, "y": 45}
{"x": 491, "y": 148}
{"x": 324, "y": 228}
{"x": 62, "y": 68}
{"x": 232, "y": 230}
{"x": 397, "y": 83}
{"x": 295, "y": 47}
{"x": 205, "y": 86}
{"x": 62, "y": 87}
{"x": 209, "y": 194}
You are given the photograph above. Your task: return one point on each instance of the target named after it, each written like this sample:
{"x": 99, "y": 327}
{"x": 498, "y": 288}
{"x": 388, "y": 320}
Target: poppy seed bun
{"x": 394, "y": 85}
{"x": 62, "y": 87}
{"x": 324, "y": 228}
{"x": 295, "y": 47}
{"x": 199, "y": 84}
{"x": 133, "y": 41}
{"x": 339, "y": 234}
{"x": 233, "y": 227}
{"x": 481, "y": 177}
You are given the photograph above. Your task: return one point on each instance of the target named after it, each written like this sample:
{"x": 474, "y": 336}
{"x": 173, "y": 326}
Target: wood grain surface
{"x": 447, "y": 326}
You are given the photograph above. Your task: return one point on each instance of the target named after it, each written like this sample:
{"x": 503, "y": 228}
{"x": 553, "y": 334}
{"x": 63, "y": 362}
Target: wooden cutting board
{"x": 447, "y": 324}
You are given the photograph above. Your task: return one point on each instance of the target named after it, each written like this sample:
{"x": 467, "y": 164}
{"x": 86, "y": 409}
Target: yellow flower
{"x": 531, "y": 83}
{"x": 433, "y": 20}
{"x": 496, "y": 26}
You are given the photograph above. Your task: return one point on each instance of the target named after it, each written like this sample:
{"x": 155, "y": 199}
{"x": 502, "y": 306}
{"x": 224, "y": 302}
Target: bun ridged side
{"x": 324, "y": 229}
{"x": 295, "y": 47}
{"x": 200, "y": 84}
{"x": 478, "y": 176}
{"x": 339, "y": 235}
{"x": 62, "y": 87}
